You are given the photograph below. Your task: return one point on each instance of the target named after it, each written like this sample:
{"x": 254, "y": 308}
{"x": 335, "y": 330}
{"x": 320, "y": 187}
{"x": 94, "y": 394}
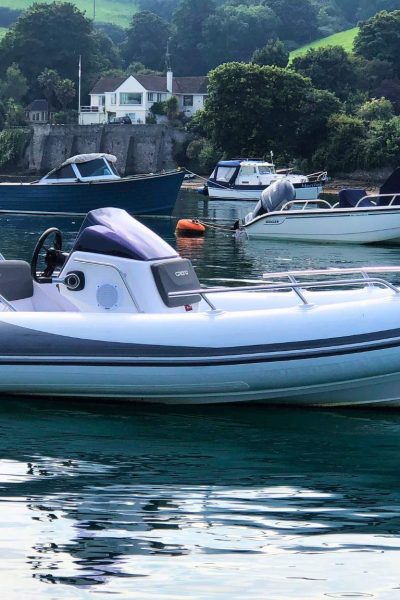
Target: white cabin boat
{"x": 123, "y": 316}
{"x": 357, "y": 218}
{"x": 245, "y": 179}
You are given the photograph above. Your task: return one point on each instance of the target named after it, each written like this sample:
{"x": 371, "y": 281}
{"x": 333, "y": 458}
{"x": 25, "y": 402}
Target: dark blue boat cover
{"x": 112, "y": 231}
{"x": 349, "y": 197}
{"x": 391, "y": 186}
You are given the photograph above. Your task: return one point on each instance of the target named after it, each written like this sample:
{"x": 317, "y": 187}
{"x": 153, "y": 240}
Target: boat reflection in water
{"x": 109, "y": 500}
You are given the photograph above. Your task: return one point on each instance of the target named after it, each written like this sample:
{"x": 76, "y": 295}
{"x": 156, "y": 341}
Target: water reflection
{"x": 95, "y": 491}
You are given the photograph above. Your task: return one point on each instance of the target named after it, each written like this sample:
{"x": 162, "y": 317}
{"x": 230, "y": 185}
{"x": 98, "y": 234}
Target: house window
{"x": 187, "y": 100}
{"x": 161, "y": 97}
{"x": 43, "y": 116}
{"x": 102, "y": 100}
{"x": 113, "y": 98}
{"x": 130, "y": 98}
{"x": 150, "y": 97}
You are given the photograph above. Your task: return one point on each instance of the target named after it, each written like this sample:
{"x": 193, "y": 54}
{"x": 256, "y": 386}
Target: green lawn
{"x": 109, "y": 11}
{"x": 343, "y": 38}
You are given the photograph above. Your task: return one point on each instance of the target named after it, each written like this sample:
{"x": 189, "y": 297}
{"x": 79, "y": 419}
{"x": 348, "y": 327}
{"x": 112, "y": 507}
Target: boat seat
{"x": 18, "y": 287}
{"x": 349, "y": 197}
{"x": 15, "y": 280}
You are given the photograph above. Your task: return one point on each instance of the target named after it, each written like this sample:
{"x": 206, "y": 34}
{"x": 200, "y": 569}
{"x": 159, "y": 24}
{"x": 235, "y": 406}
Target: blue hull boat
{"x": 80, "y": 186}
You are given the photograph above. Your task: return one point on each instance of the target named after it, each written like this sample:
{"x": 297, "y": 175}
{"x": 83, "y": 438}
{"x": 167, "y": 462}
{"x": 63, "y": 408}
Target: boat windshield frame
{"x": 80, "y": 177}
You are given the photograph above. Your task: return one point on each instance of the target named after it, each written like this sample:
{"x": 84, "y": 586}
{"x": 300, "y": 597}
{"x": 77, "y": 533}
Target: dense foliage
{"x": 327, "y": 108}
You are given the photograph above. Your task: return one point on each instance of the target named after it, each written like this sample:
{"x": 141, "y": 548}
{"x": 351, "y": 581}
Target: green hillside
{"x": 343, "y": 38}
{"x": 109, "y": 11}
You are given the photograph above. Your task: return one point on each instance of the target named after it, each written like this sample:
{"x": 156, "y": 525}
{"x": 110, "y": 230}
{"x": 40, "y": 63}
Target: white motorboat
{"x": 245, "y": 179}
{"x": 357, "y": 218}
{"x": 122, "y": 315}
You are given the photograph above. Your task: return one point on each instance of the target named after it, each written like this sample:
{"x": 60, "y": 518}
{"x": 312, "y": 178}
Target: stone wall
{"x": 138, "y": 148}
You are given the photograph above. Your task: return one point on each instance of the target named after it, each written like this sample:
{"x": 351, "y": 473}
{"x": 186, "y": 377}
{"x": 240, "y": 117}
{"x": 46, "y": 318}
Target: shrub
{"x": 13, "y": 143}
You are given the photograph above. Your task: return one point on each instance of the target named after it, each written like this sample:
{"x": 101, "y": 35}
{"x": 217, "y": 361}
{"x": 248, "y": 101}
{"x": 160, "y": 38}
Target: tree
{"x": 328, "y": 68}
{"x": 15, "y": 85}
{"x": 273, "y": 53}
{"x": 232, "y": 33}
{"x": 116, "y": 33}
{"x": 379, "y": 37}
{"x": 316, "y": 108}
{"x": 48, "y": 81}
{"x": 390, "y": 89}
{"x": 189, "y": 56}
{"x": 298, "y": 19}
{"x": 381, "y": 147}
{"x": 377, "y": 109}
{"x": 343, "y": 149}
{"x": 251, "y": 108}
{"x": 49, "y": 36}
{"x": 65, "y": 92}
{"x": 162, "y": 8}
{"x": 147, "y": 40}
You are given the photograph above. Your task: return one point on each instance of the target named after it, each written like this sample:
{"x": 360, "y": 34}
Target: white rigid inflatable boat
{"x": 123, "y": 316}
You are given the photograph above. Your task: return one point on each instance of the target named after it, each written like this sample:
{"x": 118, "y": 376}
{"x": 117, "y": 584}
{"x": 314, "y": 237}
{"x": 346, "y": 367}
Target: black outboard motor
{"x": 273, "y": 198}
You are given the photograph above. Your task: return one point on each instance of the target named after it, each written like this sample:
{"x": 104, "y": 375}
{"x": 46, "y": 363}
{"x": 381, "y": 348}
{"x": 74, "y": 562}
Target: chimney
{"x": 170, "y": 78}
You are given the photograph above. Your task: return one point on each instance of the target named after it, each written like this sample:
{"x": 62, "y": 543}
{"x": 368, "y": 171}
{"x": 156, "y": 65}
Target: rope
{"x": 212, "y": 225}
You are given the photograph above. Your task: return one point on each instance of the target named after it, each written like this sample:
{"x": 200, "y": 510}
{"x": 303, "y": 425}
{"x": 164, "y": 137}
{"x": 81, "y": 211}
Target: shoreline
{"x": 332, "y": 188}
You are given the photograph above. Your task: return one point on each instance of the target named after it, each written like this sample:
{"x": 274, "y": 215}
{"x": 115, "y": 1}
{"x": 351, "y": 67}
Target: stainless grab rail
{"x": 7, "y": 303}
{"x": 370, "y": 196}
{"x": 305, "y": 203}
{"x": 298, "y": 286}
{"x": 120, "y": 273}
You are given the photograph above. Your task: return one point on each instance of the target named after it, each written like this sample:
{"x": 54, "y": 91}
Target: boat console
{"x": 115, "y": 265}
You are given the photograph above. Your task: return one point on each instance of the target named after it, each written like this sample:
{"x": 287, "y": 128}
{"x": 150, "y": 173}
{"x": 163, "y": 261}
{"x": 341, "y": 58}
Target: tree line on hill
{"x": 325, "y": 109}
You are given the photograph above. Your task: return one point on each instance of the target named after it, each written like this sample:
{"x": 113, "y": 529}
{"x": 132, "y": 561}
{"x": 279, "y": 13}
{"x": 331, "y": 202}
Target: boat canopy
{"x": 350, "y": 198}
{"x": 83, "y": 158}
{"x": 114, "y": 232}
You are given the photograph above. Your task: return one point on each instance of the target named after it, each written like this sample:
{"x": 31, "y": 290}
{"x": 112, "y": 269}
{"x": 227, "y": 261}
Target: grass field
{"x": 343, "y": 38}
{"x": 109, "y": 11}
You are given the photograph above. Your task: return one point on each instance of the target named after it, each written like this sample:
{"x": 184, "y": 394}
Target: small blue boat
{"x": 89, "y": 181}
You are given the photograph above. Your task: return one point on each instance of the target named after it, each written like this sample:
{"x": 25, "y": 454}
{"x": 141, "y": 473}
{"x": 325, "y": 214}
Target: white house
{"x": 134, "y": 95}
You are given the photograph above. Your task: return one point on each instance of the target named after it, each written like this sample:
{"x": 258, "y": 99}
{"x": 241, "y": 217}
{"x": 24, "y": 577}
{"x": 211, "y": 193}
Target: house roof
{"x": 108, "y": 84}
{"x": 190, "y": 85}
{"x": 39, "y": 105}
{"x": 155, "y": 83}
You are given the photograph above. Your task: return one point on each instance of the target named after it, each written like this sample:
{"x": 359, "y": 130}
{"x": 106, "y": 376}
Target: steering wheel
{"x": 53, "y": 256}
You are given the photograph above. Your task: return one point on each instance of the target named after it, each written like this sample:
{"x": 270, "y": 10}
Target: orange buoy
{"x": 191, "y": 227}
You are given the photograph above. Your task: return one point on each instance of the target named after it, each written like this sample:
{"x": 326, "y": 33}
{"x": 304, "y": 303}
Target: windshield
{"x": 263, "y": 170}
{"x": 94, "y": 168}
{"x": 225, "y": 173}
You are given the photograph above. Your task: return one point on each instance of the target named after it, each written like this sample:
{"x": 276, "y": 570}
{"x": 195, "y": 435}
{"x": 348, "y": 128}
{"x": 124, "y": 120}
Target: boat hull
{"x": 144, "y": 195}
{"x": 352, "y": 226}
{"x": 317, "y": 360}
{"x": 303, "y": 191}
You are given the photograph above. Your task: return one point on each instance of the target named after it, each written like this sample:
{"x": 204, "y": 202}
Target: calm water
{"x": 214, "y": 502}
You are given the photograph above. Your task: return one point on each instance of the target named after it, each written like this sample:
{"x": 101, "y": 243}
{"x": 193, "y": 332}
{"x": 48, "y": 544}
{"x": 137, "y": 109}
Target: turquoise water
{"x": 249, "y": 502}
